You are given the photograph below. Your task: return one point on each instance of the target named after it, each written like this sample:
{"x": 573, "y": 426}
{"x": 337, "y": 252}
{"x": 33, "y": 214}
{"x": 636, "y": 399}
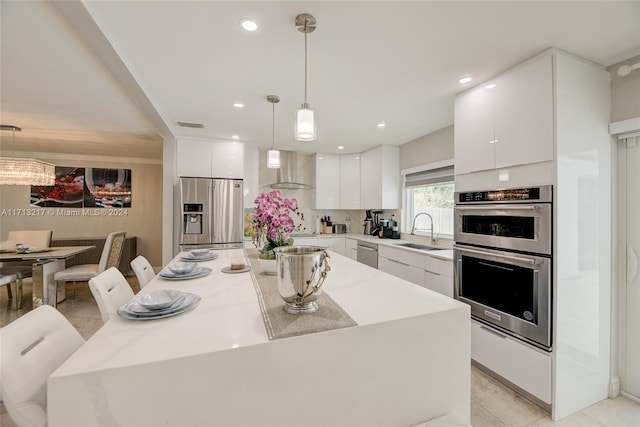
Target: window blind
{"x": 429, "y": 177}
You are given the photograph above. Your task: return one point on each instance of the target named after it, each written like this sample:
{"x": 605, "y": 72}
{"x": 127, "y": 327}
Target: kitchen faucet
{"x": 413, "y": 227}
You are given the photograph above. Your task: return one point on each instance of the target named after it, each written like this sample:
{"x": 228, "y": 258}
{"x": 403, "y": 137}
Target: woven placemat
{"x": 278, "y": 322}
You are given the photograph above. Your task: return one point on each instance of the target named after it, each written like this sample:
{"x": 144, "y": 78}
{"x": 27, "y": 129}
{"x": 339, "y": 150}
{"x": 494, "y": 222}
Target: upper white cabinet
{"x": 251, "y": 170}
{"x": 350, "y": 181}
{"x": 327, "y": 176}
{"x": 210, "y": 158}
{"x": 506, "y": 121}
{"x": 380, "y": 178}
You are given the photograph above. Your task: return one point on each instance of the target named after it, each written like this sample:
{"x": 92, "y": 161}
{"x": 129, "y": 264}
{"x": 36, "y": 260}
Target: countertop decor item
{"x": 301, "y": 271}
{"x": 273, "y": 223}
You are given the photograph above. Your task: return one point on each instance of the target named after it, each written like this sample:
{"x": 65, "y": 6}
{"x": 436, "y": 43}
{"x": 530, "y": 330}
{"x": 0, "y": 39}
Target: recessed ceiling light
{"x": 249, "y": 24}
{"x": 238, "y": 105}
{"x": 235, "y": 136}
{"x": 340, "y": 147}
{"x": 465, "y": 80}
{"x": 381, "y": 125}
{"x": 490, "y": 86}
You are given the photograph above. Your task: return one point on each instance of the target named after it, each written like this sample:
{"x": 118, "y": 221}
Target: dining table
{"x": 401, "y": 358}
{"x": 45, "y": 262}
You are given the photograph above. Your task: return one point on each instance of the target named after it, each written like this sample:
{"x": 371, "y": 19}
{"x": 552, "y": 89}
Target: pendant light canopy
{"x": 273, "y": 155}
{"x": 305, "y": 117}
{"x": 24, "y": 171}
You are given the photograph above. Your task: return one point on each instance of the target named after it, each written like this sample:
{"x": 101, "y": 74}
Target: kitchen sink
{"x": 416, "y": 246}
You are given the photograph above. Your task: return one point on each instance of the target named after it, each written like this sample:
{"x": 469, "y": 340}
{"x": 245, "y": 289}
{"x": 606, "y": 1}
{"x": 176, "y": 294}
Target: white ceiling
{"x": 369, "y": 61}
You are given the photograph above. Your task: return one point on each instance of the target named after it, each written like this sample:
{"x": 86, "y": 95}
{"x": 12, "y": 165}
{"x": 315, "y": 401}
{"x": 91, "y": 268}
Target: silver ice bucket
{"x": 301, "y": 271}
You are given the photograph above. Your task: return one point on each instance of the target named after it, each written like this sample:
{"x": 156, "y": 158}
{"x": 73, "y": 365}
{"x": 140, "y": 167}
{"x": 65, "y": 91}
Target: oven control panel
{"x": 510, "y": 195}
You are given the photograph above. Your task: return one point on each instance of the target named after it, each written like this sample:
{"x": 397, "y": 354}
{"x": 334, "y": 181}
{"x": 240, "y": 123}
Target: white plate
{"x": 199, "y": 272}
{"x": 242, "y": 270}
{"x": 158, "y": 300}
{"x": 190, "y": 258}
{"x": 128, "y": 311}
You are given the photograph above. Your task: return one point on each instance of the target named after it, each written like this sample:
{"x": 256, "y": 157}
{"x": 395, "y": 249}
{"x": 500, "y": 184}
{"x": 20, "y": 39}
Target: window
{"x": 430, "y": 191}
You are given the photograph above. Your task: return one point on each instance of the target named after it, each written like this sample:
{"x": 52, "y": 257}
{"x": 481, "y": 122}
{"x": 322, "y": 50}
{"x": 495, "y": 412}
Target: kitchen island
{"x": 406, "y": 361}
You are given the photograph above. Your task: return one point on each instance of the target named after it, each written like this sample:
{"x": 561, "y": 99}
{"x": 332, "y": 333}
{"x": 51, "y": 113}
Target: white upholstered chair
{"x": 33, "y": 238}
{"x": 33, "y": 346}
{"x": 111, "y": 254}
{"x": 143, "y": 269}
{"x": 7, "y": 280}
{"x": 111, "y": 290}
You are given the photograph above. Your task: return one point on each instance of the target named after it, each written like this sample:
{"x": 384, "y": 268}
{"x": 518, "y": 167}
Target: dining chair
{"x": 110, "y": 257}
{"x": 33, "y": 238}
{"x": 7, "y": 280}
{"x": 143, "y": 269}
{"x": 33, "y": 347}
{"x": 111, "y": 290}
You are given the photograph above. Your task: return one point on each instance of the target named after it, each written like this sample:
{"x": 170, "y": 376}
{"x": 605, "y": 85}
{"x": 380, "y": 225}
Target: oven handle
{"x": 501, "y": 208}
{"x": 512, "y": 258}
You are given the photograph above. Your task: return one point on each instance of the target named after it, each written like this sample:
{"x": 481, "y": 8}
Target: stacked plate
{"x": 197, "y": 255}
{"x": 159, "y": 304}
{"x": 184, "y": 271}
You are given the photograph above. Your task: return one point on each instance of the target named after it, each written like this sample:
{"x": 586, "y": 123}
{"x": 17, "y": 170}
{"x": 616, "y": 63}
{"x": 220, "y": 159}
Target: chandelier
{"x": 24, "y": 171}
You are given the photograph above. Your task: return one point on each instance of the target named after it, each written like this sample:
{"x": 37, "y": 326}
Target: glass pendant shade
{"x": 273, "y": 159}
{"x": 26, "y": 171}
{"x": 305, "y": 124}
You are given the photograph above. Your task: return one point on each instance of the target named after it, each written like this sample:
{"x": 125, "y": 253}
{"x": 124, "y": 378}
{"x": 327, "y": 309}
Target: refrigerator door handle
{"x": 210, "y": 198}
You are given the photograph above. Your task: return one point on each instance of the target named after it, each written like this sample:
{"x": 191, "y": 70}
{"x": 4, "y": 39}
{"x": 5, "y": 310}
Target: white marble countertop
{"x": 444, "y": 253}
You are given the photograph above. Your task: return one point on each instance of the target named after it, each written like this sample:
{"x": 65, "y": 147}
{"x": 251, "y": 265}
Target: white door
{"x": 630, "y": 381}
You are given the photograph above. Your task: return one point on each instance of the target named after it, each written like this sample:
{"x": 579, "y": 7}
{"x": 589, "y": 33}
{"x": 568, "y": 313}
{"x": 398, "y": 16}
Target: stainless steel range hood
{"x": 288, "y": 176}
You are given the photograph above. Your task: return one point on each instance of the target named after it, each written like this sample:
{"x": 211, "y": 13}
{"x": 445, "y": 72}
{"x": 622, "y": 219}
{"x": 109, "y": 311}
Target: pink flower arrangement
{"x": 272, "y": 220}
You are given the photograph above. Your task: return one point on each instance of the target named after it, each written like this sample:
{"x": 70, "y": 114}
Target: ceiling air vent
{"x": 191, "y": 125}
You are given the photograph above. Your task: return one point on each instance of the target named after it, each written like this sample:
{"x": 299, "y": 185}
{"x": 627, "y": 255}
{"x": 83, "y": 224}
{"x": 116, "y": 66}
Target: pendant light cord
{"x": 273, "y": 125}
{"x": 305, "y": 62}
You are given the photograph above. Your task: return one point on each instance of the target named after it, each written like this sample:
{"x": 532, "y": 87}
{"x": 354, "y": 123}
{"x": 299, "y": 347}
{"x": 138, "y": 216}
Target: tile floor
{"x": 492, "y": 404}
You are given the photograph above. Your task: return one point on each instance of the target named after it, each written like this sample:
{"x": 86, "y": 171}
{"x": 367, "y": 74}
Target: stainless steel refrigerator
{"x": 212, "y": 213}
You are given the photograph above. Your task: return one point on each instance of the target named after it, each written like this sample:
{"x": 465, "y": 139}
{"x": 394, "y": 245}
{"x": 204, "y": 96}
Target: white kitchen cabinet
{"x": 251, "y": 169}
{"x": 336, "y": 244}
{"x": 380, "y": 178}
{"x": 194, "y": 158}
{"x": 350, "y": 181}
{"x": 327, "y": 181}
{"x": 351, "y": 248}
{"x": 401, "y": 263}
{"x": 525, "y": 366}
{"x": 507, "y": 125}
{"x": 438, "y": 275}
{"x": 210, "y": 158}
{"x": 305, "y": 241}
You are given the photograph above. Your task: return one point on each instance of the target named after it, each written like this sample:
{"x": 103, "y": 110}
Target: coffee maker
{"x": 390, "y": 229}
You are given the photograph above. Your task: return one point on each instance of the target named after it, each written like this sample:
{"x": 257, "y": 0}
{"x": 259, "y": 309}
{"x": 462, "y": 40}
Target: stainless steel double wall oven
{"x": 503, "y": 260}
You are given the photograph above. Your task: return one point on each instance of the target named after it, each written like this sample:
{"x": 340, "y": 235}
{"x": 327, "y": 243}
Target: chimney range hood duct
{"x": 287, "y": 175}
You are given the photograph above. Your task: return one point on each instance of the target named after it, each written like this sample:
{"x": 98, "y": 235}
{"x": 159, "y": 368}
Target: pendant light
{"x": 305, "y": 118}
{"x": 24, "y": 171}
{"x": 273, "y": 155}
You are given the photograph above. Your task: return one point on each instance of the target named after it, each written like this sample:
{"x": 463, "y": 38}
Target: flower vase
{"x": 267, "y": 261}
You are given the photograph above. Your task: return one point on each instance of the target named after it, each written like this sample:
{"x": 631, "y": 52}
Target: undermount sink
{"x": 416, "y": 246}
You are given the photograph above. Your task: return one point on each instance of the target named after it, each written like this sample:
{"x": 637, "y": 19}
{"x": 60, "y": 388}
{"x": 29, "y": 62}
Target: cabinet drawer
{"x": 439, "y": 266}
{"x": 439, "y": 283}
{"x": 524, "y": 366}
{"x": 401, "y": 270}
{"x": 406, "y": 257}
